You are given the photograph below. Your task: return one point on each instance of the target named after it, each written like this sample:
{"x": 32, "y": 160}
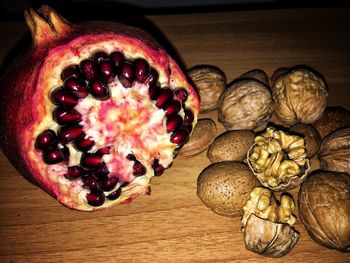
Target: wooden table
{"x": 172, "y": 225}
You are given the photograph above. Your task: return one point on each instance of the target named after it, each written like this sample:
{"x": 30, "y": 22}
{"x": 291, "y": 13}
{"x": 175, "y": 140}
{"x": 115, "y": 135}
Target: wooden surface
{"x": 172, "y": 225}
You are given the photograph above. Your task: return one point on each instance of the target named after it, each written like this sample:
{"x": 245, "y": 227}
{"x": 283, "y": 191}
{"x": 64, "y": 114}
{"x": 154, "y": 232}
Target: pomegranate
{"x": 90, "y": 113}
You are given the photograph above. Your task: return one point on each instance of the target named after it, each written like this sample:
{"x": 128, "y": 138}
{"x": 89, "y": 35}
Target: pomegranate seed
{"x": 180, "y": 136}
{"x": 53, "y": 155}
{"x": 84, "y": 144}
{"x": 172, "y": 107}
{"x": 165, "y": 96}
{"x": 89, "y": 69}
{"x": 126, "y": 74}
{"x": 106, "y": 70}
{"x": 104, "y": 150}
{"x": 188, "y": 127}
{"x": 151, "y": 78}
{"x": 115, "y": 195}
{"x": 138, "y": 169}
{"x": 157, "y": 167}
{"x": 90, "y": 182}
{"x": 99, "y": 90}
{"x": 117, "y": 58}
{"x": 153, "y": 92}
{"x": 181, "y": 94}
{"x": 131, "y": 157}
{"x": 189, "y": 117}
{"x": 77, "y": 87}
{"x": 101, "y": 171}
{"x": 70, "y": 71}
{"x": 45, "y": 139}
{"x": 63, "y": 97}
{"x": 141, "y": 68}
{"x": 98, "y": 56}
{"x": 173, "y": 123}
{"x": 75, "y": 172}
{"x": 95, "y": 198}
{"x": 89, "y": 160}
{"x": 66, "y": 116}
{"x": 68, "y": 134}
{"x": 108, "y": 184}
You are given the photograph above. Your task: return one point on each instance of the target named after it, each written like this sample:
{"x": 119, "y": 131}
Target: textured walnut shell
{"x": 230, "y": 146}
{"x": 257, "y": 74}
{"x": 311, "y": 137}
{"x": 333, "y": 118}
{"x": 225, "y": 187}
{"x": 245, "y": 105}
{"x": 334, "y": 154}
{"x": 278, "y": 72}
{"x": 269, "y": 238}
{"x": 210, "y": 82}
{"x": 324, "y": 209}
{"x": 300, "y": 96}
{"x": 202, "y": 136}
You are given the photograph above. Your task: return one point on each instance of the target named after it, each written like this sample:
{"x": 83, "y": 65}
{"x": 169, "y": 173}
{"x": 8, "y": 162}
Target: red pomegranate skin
{"x": 24, "y": 82}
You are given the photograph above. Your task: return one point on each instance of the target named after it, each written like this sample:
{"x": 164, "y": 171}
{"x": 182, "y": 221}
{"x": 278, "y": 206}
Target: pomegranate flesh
{"x": 96, "y": 110}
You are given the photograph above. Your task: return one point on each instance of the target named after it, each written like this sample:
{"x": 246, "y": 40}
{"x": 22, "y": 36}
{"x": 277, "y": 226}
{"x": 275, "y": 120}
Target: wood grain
{"x": 171, "y": 225}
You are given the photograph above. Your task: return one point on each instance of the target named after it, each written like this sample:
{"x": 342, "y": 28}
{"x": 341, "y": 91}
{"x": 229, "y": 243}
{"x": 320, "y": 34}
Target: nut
{"x": 334, "y": 154}
{"x": 210, "y": 82}
{"x": 257, "y": 74}
{"x": 230, "y": 146}
{"x": 224, "y": 187}
{"x": 300, "y": 96}
{"x": 202, "y": 136}
{"x": 245, "y": 105}
{"x": 333, "y": 118}
{"x": 311, "y": 137}
{"x": 324, "y": 209}
{"x": 277, "y": 73}
{"x": 267, "y": 224}
{"x": 278, "y": 159}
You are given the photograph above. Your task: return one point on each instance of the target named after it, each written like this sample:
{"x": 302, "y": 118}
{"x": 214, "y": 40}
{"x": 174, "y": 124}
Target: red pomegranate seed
{"x": 165, "y": 96}
{"x": 172, "y": 107}
{"x": 68, "y": 134}
{"x": 45, "y": 139}
{"x": 99, "y": 90}
{"x": 189, "y": 117}
{"x": 141, "y": 68}
{"x": 104, "y": 150}
{"x": 98, "y": 56}
{"x": 95, "y": 198}
{"x": 76, "y": 86}
{"x": 180, "y": 136}
{"x": 106, "y": 70}
{"x": 70, "y": 71}
{"x": 157, "y": 167}
{"x": 181, "y": 94}
{"x": 53, "y": 155}
{"x": 117, "y": 58}
{"x": 89, "y": 160}
{"x": 153, "y": 92}
{"x": 138, "y": 169}
{"x": 75, "y": 172}
{"x": 101, "y": 171}
{"x": 66, "y": 116}
{"x": 173, "y": 123}
{"x": 108, "y": 183}
{"x": 126, "y": 74}
{"x": 63, "y": 97}
{"x": 89, "y": 69}
{"x": 90, "y": 182}
{"x": 151, "y": 78}
{"x": 115, "y": 195}
{"x": 84, "y": 144}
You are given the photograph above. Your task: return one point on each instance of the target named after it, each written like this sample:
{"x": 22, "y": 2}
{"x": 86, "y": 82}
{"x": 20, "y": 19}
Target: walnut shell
{"x": 300, "y": 96}
{"x": 202, "y": 136}
{"x": 324, "y": 209}
{"x": 311, "y": 137}
{"x": 210, "y": 82}
{"x": 333, "y": 118}
{"x": 334, "y": 154}
{"x": 257, "y": 74}
{"x": 245, "y": 105}
{"x": 230, "y": 146}
{"x": 277, "y": 73}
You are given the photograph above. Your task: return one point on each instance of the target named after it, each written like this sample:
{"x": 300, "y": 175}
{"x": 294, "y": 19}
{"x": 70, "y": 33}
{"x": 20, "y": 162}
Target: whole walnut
{"x": 245, "y": 105}
{"x": 324, "y": 209}
{"x": 300, "y": 96}
{"x": 311, "y": 137}
{"x": 257, "y": 74}
{"x": 333, "y": 118}
{"x": 210, "y": 82}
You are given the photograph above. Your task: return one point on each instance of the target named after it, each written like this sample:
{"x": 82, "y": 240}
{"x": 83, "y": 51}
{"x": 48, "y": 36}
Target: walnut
{"x": 277, "y": 73}
{"x": 210, "y": 82}
{"x": 278, "y": 159}
{"x": 257, "y": 74}
{"x": 267, "y": 223}
{"x": 300, "y": 96}
{"x": 311, "y": 136}
{"x": 245, "y": 105}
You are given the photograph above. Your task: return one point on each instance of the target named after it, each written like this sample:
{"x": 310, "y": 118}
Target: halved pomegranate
{"x": 92, "y": 112}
